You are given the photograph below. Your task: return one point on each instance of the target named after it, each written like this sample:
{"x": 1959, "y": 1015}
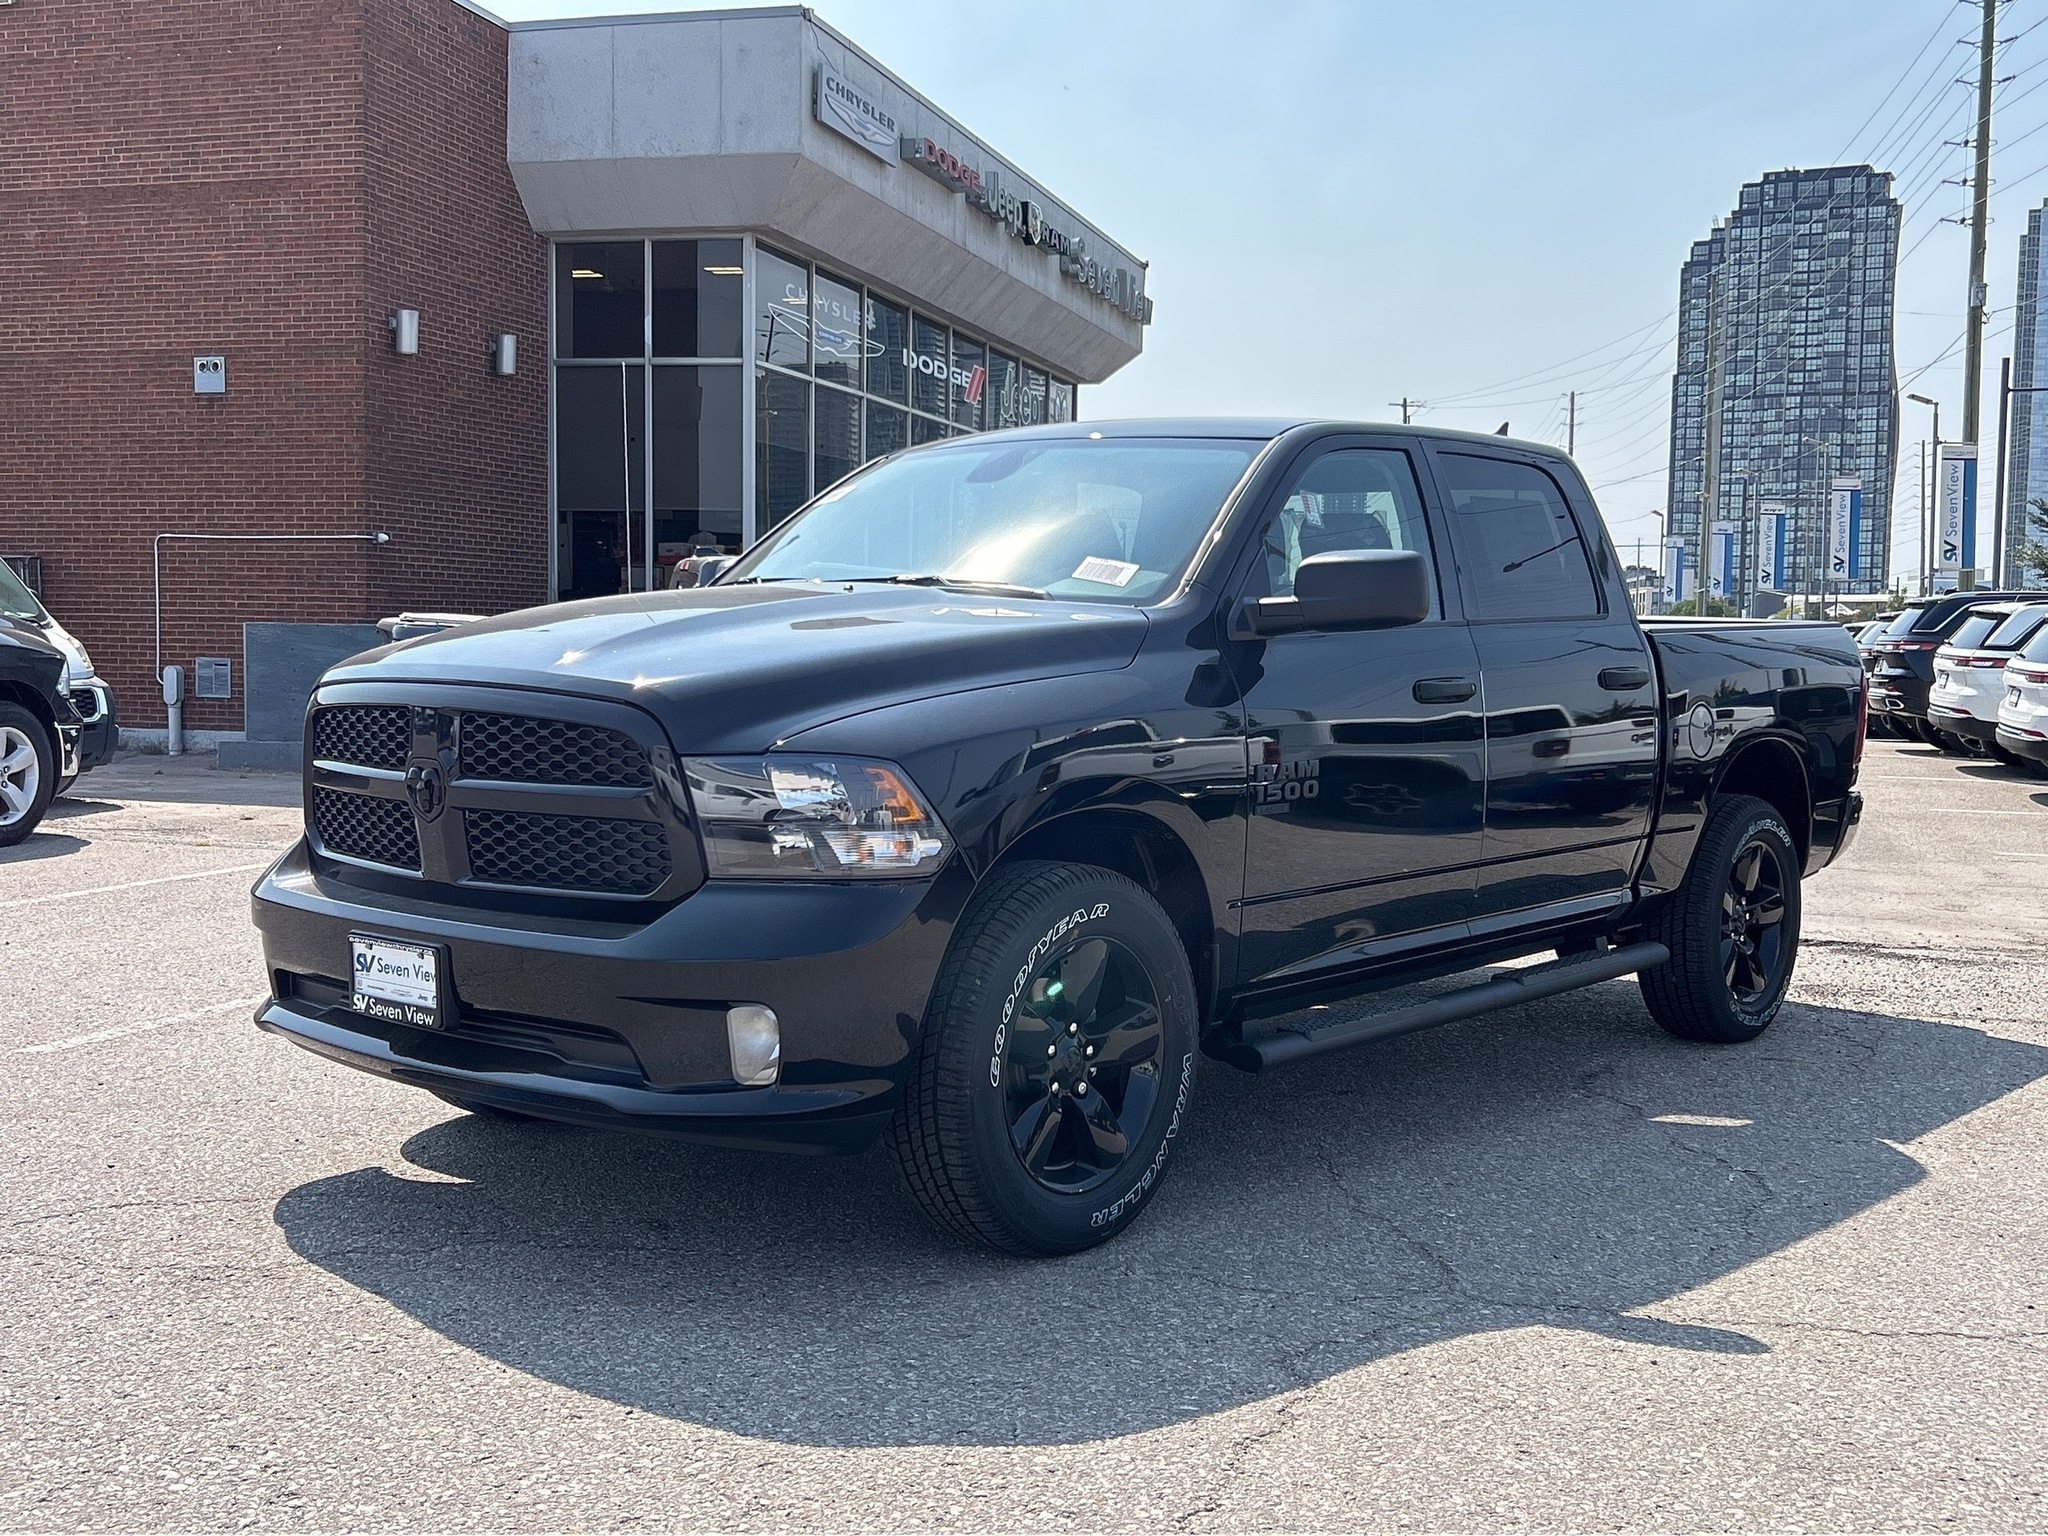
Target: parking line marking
{"x": 1968, "y": 810}
{"x": 132, "y": 885}
{"x": 49, "y": 1046}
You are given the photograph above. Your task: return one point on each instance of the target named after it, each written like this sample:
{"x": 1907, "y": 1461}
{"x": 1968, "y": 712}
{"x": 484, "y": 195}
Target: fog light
{"x": 754, "y": 1037}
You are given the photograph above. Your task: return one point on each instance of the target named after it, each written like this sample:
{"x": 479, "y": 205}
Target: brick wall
{"x": 266, "y": 179}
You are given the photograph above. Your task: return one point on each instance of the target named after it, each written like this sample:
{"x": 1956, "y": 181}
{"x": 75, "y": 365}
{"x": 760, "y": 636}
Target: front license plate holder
{"x": 399, "y": 981}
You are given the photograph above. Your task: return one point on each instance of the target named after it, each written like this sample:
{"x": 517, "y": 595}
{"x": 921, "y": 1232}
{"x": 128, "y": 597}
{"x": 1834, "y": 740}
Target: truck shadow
{"x": 1497, "y": 1174}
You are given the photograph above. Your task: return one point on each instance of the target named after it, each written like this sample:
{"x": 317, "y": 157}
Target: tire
{"x": 1054, "y": 1068}
{"x": 485, "y": 1111}
{"x": 2007, "y": 756}
{"x": 1949, "y": 742}
{"x": 28, "y": 773}
{"x": 1724, "y": 986}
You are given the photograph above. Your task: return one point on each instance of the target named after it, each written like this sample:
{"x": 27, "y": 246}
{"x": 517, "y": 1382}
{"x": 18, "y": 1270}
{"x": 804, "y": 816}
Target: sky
{"x": 1479, "y": 206}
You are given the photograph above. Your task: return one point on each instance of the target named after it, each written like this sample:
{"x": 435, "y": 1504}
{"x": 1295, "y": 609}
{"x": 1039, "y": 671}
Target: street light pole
{"x": 2006, "y": 390}
{"x": 1927, "y": 512}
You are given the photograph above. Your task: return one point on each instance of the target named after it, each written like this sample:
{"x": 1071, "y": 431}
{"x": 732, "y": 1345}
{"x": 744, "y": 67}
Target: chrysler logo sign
{"x": 854, "y": 113}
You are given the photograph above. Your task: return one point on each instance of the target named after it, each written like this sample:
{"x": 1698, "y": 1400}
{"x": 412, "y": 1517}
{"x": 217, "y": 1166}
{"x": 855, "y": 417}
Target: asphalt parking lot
{"x": 1548, "y": 1269}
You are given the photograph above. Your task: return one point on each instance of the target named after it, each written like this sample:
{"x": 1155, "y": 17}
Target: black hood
{"x": 736, "y": 669}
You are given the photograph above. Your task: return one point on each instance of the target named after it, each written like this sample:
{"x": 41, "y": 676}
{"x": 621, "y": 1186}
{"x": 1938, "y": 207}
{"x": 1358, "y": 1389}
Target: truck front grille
{"x": 522, "y": 750}
{"x": 567, "y": 853}
{"x": 369, "y": 736}
{"x": 467, "y": 790}
{"x": 367, "y": 827}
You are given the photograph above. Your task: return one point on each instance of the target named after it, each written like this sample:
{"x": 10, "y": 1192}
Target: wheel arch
{"x": 1774, "y": 771}
{"x": 32, "y": 701}
{"x": 1145, "y": 850}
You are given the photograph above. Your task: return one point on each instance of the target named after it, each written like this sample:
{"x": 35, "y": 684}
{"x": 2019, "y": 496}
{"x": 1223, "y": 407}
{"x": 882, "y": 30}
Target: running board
{"x": 1526, "y": 986}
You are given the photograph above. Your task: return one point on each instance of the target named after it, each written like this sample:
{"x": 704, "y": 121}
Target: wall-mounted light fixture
{"x": 405, "y": 331}
{"x": 504, "y": 354}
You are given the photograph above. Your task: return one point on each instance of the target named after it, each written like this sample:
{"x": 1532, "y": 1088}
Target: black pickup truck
{"x": 1014, "y": 773}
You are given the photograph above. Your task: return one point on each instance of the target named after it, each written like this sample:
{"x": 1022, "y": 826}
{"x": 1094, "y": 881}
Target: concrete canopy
{"x": 704, "y": 122}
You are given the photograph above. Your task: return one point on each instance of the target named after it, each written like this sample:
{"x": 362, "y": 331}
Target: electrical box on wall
{"x": 210, "y": 374}
{"x": 505, "y": 355}
{"x": 213, "y": 677}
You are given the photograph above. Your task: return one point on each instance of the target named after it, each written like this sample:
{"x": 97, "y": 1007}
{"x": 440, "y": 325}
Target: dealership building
{"x": 549, "y": 306}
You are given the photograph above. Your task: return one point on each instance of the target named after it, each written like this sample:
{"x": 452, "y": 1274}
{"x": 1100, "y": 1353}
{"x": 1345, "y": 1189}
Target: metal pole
{"x": 1571, "y": 430}
{"x": 1998, "y": 498}
{"x": 1980, "y": 207}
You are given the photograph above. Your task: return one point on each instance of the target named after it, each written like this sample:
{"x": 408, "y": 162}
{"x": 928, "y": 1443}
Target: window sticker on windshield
{"x": 1111, "y": 573}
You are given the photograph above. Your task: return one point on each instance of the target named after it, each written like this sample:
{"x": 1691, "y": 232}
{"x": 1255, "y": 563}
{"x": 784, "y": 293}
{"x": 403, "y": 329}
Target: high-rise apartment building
{"x": 1785, "y": 377}
{"x": 2026, "y": 473}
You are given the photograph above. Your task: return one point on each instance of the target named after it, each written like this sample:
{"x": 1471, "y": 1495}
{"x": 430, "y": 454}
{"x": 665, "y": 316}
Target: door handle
{"x": 1444, "y": 690}
{"x": 1624, "y": 679}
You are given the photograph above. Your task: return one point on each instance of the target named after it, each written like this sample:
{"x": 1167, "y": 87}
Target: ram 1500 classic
{"x": 985, "y": 796}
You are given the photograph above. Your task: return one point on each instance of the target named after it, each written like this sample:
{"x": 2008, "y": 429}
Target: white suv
{"x": 1969, "y": 671}
{"x": 2023, "y": 713}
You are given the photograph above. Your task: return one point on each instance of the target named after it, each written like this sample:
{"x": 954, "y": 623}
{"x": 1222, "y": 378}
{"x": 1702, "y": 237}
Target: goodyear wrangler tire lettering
{"x": 1056, "y": 1063}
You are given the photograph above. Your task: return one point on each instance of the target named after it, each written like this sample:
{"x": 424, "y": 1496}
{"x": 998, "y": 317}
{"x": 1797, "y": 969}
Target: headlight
{"x": 784, "y": 818}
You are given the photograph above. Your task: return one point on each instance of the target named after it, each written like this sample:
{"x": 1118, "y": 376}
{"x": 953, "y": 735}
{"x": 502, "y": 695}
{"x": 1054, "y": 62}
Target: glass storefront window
{"x": 1004, "y": 383}
{"x": 782, "y": 448}
{"x": 600, "y": 477}
{"x": 782, "y": 312}
{"x": 650, "y": 425}
{"x": 697, "y": 499}
{"x": 699, "y": 295}
{"x": 888, "y": 430}
{"x": 970, "y": 381}
{"x": 930, "y": 361}
{"x": 837, "y": 453}
{"x": 888, "y": 341}
{"x": 599, "y": 299}
{"x": 836, "y": 331}
{"x": 1031, "y": 408}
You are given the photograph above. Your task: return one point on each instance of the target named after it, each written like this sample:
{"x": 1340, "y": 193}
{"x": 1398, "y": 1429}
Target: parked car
{"x": 39, "y": 729}
{"x": 1014, "y": 773}
{"x": 89, "y": 695}
{"x": 2023, "y": 712}
{"x": 1969, "y": 672}
{"x": 1867, "y": 634}
{"x": 1904, "y": 674}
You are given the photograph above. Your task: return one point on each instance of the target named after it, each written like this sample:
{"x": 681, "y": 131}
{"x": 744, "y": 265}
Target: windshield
{"x": 16, "y": 601}
{"x": 1905, "y": 621}
{"x": 1111, "y": 519}
{"x": 2015, "y": 631}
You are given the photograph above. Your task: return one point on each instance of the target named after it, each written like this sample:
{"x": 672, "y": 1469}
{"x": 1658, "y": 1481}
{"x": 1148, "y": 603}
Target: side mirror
{"x": 1345, "y": 589}
{"x": 711, "y": 567}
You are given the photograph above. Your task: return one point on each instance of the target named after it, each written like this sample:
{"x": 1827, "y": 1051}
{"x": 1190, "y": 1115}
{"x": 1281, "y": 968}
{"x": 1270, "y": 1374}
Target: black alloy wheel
{"x": 1056, "y": 1062}
{"x": 1081, "y": 1070}
{"x": 1732, "y": 928}
{"x": 1753, "y": 922}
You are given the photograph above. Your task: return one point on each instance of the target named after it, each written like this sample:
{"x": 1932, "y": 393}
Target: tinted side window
{"x": 2019, "y": 629}
{"x": 1350, "y": 498}
{"x": 1518, "y": 549}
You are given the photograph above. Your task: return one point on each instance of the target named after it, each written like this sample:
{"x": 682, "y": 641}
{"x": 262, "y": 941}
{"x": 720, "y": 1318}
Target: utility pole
{"x": 1571, "y": 428}
{"x": 1998, "y": 497}
{"x": 1980, "y": 204}
{"x": 1405, "y": 403}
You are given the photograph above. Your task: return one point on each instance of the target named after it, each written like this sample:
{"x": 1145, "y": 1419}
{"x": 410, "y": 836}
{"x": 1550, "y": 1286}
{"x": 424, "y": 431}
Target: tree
{"x": 2032, "y": 557}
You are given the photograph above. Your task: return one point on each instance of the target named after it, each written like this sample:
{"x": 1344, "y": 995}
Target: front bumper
{"x": 100, "y": 732}
{"x": 622, "y": 1025}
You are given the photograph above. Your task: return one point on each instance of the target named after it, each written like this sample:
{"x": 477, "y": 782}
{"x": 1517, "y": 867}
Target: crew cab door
{"x": 1570, "y": 688}
{"x": 1364, "y": 745}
